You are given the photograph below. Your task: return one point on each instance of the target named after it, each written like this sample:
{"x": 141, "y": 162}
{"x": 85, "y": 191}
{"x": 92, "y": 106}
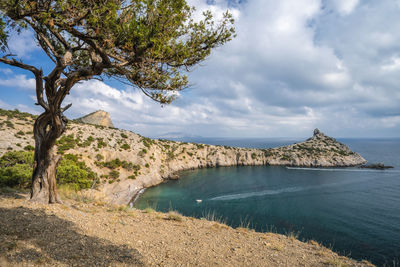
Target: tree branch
{"x": 38, "y": 75}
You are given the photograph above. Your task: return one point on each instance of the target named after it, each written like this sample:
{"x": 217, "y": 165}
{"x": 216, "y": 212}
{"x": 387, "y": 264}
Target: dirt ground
{"x": 94, "y": 234}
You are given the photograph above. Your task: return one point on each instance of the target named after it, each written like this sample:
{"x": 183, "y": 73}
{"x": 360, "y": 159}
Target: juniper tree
{"x": 150, "y": 44}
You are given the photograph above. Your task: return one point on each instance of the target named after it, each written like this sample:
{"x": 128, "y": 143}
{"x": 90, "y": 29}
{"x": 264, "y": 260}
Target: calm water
{"x": 355, "y": 212}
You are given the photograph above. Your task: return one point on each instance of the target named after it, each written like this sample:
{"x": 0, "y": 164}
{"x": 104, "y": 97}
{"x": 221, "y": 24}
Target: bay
{"x": 356, "y": 212}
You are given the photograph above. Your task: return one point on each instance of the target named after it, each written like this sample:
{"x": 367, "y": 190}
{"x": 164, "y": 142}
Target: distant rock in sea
{"x": 100, "y": 117}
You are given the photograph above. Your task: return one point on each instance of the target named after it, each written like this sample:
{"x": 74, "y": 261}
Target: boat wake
{"x": 280, "y": 191}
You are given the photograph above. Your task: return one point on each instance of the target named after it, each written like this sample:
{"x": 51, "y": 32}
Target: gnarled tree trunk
{"x": 47, "y": 128}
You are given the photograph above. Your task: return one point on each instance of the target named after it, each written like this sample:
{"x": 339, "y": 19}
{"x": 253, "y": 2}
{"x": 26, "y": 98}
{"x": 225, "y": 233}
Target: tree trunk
{"x": 47, "y": 128}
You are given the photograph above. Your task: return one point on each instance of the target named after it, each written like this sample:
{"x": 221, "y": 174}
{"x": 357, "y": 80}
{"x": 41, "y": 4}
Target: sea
{"x": 355, "y": 212}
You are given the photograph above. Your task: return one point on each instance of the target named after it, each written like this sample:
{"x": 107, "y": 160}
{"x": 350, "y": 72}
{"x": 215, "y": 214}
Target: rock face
{"x": 100, "y": 117}
{"x": 149, "y": 162}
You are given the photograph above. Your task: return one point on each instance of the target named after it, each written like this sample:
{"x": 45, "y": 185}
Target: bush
{"x": 114, "y": 174}
{"x": 75, "y": 173}
{"x": 124, "y": 135}
{"x": 65, "y": 142}
{"x": 29, "y": 148}
{"x": 99, "y": 157}
{"x": 125, "y": 146}
{"x": 16, "y": 169}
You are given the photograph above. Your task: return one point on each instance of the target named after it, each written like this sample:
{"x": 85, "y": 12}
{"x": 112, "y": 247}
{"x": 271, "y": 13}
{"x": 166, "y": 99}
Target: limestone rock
{"x": 100, "y": 117}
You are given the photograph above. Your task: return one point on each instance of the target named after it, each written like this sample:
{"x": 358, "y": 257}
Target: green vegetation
{"x": 114, "y": 174}
{"x": 124, "y": 135}
{"x": 66, "y": 142}
{"x": 101, "y": 143}
{"x": 75, "y": 173}
{"x": 116, "y": 163}
{"x": 29, "y": 148}
{"x": 125, "y": 146}
{"x": 16, "y": 171}
{"x": 174, "y": 216}
{"x": 253, "y": 155}
{"x": 147, "y": 142}
{"x": 142, "y": 152}
{"x": 16, "y": 114}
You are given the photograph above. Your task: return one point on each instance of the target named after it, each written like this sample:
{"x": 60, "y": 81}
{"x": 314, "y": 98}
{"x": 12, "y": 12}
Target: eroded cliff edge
{"x": 143, "y": 162}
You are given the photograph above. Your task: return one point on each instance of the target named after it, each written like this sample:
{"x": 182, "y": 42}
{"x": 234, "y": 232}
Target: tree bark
{"x": 47, "y": 128}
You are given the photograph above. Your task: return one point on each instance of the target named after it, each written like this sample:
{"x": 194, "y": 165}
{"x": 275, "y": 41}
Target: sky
{"x": 295, "y": 65}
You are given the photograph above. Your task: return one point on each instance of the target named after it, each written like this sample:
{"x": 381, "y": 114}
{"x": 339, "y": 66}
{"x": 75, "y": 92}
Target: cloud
{"x": 23, "y": 45}
{"x": 345, "y": 7}
{"x": 294, "y": 66}
{"x": 18, "y": 81}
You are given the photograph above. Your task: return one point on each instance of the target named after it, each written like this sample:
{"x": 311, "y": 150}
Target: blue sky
{"x": 295, "y": 65}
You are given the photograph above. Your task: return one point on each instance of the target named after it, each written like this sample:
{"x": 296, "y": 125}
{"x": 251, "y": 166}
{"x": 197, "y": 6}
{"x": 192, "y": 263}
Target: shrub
{"x": 114, "y": 174}
{"x": 142, "y": 152}
{"x": 75, "y": 173}
{"x": 101, "y": 143}
{"x": 253, "y": 155}
{"x": 20, "y": 133}
{"x": 124, "y": 135}
{"x": 133, "y": 177}
{"x": 99, "y": 157}
{"x": 174, "y": 216}
{"x": 147, "y": 142}
{"x": 16, "y": 169}
{"x": 29, "y": 148}
{"x": 65, "y": 142}
{"x": 125, "y": 146}
{"x": 147, "y": 165}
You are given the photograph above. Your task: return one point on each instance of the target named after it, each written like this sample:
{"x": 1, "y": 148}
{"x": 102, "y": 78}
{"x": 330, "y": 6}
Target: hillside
{"x": 95, "y": 234}
{"x": 126, "y": 162}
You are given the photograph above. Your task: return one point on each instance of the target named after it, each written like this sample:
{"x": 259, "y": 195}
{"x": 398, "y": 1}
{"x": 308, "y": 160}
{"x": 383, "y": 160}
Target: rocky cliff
{"x": 100, "y": 117}
{"x": 139, "y": 162}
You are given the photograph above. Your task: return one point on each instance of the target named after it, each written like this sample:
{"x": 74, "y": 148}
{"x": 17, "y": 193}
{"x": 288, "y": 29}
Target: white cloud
{"x": 345, "y": 7}
{"x": 23, "y": 45}
{"x": 19, "y": 81}
{"x": 294, "y": 66}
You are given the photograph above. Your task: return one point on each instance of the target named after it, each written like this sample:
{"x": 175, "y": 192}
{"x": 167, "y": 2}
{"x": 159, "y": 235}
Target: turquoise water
{"x": 356, "y": 212}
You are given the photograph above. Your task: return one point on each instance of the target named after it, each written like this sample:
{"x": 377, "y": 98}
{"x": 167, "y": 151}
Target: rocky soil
{"x": 94, "y": 234}
{"x": 148, "y": 162}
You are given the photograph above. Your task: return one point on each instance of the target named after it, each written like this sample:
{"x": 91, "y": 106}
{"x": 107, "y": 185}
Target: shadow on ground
{"x": 33, "y": 236}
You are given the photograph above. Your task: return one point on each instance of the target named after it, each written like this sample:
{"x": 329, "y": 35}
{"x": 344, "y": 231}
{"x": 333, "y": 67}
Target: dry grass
{"x": 174, "y": 216}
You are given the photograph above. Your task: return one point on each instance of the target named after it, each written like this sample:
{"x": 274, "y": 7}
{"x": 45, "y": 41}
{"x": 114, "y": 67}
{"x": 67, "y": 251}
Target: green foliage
{"x": 124, "y": 135}
{"x": 29, "y": 148}
{"x": 142, "y": 152}
{"x": 125, "y": 146}
{"x": 253, "y": 155}
{"x": 199, "y": 146}
{"x": 101, "y": 143}
{"x": 16, "y": 113}
{"x": 20, "y": 133}
{"x": 114, "y": 174}
{"x": 16, "y": 169}
{"x": 116, "y": 163}
{"x": 149, "y": 43}
{"x": 99, "y": 157}
{"x": 66, "y": 142}
{"x": 147, "y": 142}
{"x": 74, "y": 172}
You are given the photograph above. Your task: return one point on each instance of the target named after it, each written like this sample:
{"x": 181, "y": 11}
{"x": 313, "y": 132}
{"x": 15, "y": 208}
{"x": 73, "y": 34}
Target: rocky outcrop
{"x": 149, "y": 162}
{"x": 100, "y": 117}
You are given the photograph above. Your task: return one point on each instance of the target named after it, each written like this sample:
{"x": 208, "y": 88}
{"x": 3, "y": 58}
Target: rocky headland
{"x": 139, "y": 162}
